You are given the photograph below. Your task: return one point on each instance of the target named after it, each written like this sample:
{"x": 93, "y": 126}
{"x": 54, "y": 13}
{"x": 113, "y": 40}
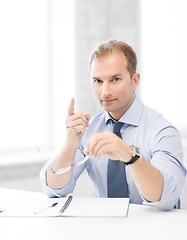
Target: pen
{"x": 65, "y": 206}
{"x": 52, "y": 205}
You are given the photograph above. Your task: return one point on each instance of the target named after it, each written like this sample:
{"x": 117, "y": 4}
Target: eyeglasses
{"x": 66, "y": 169}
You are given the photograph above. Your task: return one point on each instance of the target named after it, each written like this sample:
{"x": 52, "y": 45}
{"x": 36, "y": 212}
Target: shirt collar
{"x": 132, "y": 116}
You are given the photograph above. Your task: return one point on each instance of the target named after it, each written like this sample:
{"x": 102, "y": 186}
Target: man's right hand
{"x": 76, "y": 124}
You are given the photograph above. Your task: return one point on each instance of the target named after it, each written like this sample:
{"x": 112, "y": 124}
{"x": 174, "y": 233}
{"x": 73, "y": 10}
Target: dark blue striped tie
{"x": 116, "y": 177}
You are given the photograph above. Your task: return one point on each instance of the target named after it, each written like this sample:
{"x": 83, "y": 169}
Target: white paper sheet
{"x": 97, "y": 207}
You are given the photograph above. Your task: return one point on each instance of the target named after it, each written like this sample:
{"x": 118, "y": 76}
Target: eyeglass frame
{"x": 67, "y": 168}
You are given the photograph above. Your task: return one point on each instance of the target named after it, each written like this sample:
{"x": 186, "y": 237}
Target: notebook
{"x": 78, "y": 207}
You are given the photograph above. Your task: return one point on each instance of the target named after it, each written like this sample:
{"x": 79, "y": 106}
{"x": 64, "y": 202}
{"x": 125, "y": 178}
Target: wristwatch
{"x": 136, "y": 154}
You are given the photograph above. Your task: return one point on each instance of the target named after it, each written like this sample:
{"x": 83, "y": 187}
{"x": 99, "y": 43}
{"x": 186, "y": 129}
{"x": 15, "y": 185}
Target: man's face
{"x": 112, "y": 83}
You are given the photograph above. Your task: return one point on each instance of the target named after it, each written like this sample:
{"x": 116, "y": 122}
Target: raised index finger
{"x": 71, "y": 108}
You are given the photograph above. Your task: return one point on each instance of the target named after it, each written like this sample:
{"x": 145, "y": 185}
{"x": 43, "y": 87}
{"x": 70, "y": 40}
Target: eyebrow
{"x": 116, "y": 75}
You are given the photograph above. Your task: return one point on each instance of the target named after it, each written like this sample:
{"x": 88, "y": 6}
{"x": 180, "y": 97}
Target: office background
{"x": 45, "y": 47}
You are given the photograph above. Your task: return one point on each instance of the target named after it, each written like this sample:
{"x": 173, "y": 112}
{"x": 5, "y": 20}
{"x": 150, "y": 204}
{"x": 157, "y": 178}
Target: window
{"x": 37, "y": 72}
{"x": 163, "y": 59}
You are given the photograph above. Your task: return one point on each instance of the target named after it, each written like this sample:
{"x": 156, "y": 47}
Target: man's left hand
{"x": 108, "y": 144}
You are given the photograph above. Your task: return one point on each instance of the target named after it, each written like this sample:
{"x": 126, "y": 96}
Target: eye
{"x": 97, "y": 81}
{"x": 116, "y": 79}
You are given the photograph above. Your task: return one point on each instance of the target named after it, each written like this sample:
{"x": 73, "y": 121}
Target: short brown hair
{"x": 112, "y": 46}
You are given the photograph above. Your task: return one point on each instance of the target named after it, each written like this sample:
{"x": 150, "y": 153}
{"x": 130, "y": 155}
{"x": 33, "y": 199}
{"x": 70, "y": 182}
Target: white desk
{"x": 143, "y": 222}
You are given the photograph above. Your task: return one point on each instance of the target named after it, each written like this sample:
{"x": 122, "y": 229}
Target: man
{"x": 141, "y": 160}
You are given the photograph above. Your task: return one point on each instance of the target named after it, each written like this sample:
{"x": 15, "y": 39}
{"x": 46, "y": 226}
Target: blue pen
{"x": 52, "y": 205}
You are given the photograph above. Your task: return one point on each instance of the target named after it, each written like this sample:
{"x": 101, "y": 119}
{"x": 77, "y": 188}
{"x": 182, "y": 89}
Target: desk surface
{"x": 143, "y": 222}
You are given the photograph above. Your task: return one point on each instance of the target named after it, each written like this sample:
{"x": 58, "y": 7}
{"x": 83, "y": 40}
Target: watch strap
{"x": 135, "y": 155}
{"x": 132, "y": 160}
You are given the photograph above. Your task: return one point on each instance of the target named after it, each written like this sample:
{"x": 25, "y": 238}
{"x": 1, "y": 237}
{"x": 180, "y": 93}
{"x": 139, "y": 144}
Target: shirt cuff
{"x": 50, "y": 192}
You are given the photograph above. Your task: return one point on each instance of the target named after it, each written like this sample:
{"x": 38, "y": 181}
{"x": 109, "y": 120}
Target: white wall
{"x": 163, "y": 59}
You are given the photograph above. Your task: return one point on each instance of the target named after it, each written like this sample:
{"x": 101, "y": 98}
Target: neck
{"x": 116, "y": 116}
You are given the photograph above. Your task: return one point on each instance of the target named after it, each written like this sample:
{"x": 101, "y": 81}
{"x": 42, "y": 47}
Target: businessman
{"x": 133, "y": 150}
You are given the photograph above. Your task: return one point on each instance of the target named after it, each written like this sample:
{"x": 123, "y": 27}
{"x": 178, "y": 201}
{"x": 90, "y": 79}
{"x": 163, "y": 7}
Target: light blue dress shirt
{"x": 159, "y": 143}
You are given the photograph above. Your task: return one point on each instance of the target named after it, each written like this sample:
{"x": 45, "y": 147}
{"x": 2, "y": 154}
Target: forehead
{"x": 110, "y": 64}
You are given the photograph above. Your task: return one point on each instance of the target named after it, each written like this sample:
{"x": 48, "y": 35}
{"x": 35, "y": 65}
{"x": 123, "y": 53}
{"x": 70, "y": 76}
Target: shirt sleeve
{"x": 68, "y": 188}
{"x": 167, "y": 157}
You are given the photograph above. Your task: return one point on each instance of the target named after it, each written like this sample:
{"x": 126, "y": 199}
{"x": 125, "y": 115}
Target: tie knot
{"x": 117, "y": 127}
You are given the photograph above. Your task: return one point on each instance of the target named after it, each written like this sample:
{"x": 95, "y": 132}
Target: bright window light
{"x": 163, "y": 59}
{"x": 37, "y": 71}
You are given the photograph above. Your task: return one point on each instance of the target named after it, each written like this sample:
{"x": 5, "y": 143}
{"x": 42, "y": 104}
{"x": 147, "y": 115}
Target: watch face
{"x": 136, "y": 151}
{"x": 135, "y": 156}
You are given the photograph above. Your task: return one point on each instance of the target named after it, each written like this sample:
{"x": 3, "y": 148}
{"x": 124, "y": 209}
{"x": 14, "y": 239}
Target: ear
{"x": 135, "y": 80}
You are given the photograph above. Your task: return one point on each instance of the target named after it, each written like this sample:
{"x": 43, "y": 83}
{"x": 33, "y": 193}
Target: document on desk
{"x": 97, "y": 207}
{"x": 77, "y": 207}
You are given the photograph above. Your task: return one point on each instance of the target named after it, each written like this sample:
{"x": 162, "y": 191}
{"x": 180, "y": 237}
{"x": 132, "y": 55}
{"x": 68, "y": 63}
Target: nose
{"x": 106, "y": 90}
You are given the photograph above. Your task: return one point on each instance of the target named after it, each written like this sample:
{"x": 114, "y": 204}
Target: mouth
{"x": 107, "y": 101}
